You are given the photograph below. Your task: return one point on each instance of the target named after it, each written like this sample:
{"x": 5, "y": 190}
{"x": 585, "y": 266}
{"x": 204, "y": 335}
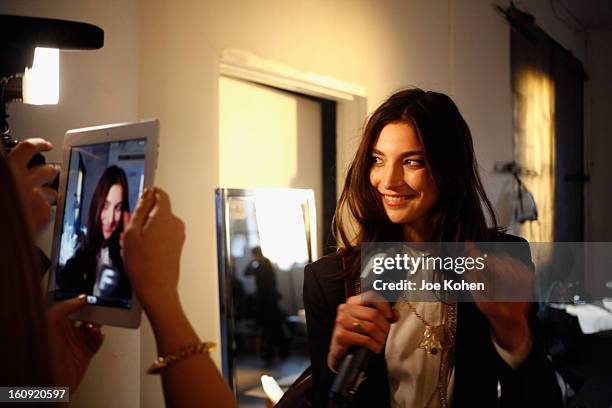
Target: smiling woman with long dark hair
{"x": 101, "y": 251}
{"x": 414, "y": 178}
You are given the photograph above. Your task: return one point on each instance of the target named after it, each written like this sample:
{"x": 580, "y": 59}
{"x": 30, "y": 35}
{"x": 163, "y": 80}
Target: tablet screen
{"x": 103, "y": 185}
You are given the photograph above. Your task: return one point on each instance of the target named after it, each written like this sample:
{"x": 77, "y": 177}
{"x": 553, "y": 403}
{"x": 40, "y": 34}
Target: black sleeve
{"x": 534, "y": 383}
{"x": 75, "y": 275}
{"x": 320, "y": 324}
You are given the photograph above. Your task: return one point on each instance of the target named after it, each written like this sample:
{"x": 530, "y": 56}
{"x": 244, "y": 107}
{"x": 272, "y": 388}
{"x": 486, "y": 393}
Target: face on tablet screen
{"x": 103, "y": 185}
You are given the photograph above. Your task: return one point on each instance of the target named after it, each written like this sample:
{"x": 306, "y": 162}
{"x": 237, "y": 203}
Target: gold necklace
{"x": 439, "y": 338}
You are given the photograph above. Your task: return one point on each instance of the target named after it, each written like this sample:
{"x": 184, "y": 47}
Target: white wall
{"x": 95, "y": 87}
{"x": 480, "y": 85}
{"x": 452, "y": 46}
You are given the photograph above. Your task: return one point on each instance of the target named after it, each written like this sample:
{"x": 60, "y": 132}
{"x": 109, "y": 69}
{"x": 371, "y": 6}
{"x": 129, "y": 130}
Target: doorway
{"x": 269, "y": 138}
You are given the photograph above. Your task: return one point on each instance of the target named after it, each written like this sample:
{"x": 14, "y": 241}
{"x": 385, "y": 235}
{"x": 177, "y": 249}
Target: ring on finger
{"x": 358, "y": 327}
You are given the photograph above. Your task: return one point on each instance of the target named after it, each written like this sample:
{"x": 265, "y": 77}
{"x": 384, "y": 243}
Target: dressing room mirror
{"x": 265, "y": 238}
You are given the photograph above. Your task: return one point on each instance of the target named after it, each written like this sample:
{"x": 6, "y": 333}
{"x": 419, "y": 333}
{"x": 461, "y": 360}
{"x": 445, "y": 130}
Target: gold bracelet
{"x": 162, "y": 363}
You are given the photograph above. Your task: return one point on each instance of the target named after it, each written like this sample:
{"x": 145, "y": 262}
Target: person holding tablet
{"x": 47, "y": 348}
{"x": 97, "y": 267}
{"x": 41, "y": 347}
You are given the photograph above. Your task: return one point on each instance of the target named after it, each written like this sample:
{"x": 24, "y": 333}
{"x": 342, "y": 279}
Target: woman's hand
{"x": 153, "y": 243}
{"x": 360, "y": 322}
{"x": 505, "y": 278}
{"x": 72, "y": 344}
{"x": 37, "y": 198}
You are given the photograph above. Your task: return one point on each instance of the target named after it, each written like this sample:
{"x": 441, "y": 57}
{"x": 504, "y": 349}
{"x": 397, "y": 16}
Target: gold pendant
{"x": 437, "y": 338}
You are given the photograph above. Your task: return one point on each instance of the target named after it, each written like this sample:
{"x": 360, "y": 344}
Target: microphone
{"x": 352, "y": 369}
{"x": 349, "y": 377}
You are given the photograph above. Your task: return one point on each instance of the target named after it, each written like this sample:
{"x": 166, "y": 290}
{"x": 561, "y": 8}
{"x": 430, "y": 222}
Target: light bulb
{"x": 41, "y": 82}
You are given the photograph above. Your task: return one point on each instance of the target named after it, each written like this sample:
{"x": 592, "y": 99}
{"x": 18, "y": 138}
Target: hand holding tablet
{"x": 153, "y": 243}
{"x": 72, "y": 344}
{"x": 33, "y": 181}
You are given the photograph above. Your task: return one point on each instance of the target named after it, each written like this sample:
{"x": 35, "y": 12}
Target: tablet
{"x": 104, "y": 171}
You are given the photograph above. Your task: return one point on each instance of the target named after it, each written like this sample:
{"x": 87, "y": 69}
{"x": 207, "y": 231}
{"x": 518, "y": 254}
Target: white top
{"x": 103, "y": 259}
{"x": 413, "y": 372}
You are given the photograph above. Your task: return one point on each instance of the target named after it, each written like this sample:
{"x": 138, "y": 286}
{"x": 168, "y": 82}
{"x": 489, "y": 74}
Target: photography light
{"x": 41, "y": 82}
{"x": 29, "y": 59}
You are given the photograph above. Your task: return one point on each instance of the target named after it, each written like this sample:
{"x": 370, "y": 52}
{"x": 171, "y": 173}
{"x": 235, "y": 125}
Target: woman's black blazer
{"x": 478, "y": 366}
{"x": 79, "y": 274}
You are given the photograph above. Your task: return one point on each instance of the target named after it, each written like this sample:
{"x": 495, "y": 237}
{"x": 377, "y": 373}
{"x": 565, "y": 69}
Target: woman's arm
{"x": 78, "y": 275}
{"x": 195, "y": 380}
{"x": 331, "y": 332}
{"x": 534, "y": 382}
{"x": 153, "y": 243}
{"x": 515, "y": 329}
